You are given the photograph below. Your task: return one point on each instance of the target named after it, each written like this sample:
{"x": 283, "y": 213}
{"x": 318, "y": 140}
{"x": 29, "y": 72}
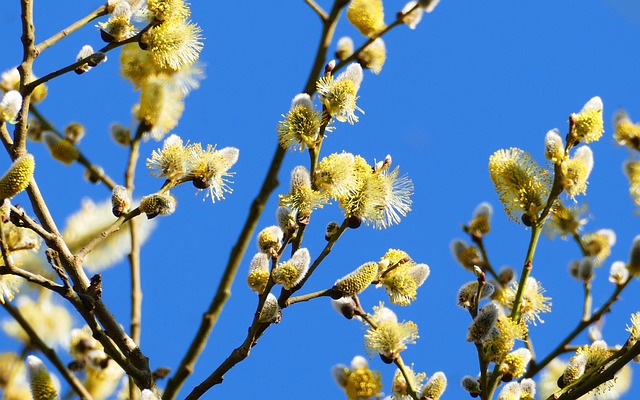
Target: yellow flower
{"x": 399, "y": 387}
{"x": 336, "y": 175}
{"x": 381, "y": 198}
{"x": 565, "y": 220}
{"x": 598, "y": 244}
{"x": 8, "y": 287}
{"x": 626, "y": 132}
{"x": 118, "y": 27}
{"x": 42, "y": 386}
{"x": 210, "y": 170}
{"x": 169, "y": 9}
{"x": 373, "y": 56}
{"x": 576, "y": 170}
{"x": 301, "y": 197}
{"x": 301, "y": 125}
{"x": 434, "y": 387}
{"x": 259, "y": 274}
{"x": 390, "y": 338}
{"x": 344, "y": 47}
{"x": 553, "y": 146}
{"x": 291, "y": 272}
{"x": 160, "y": 108}
{"x": 174, "y": 44}
{"x": 171, "y": 161}
{"x": 358, "y": 381}
{"x": 339, "y": 95}
{"x": 367, "y": 16}
{"x": 522, "y": 185}
{"x": 533, "y": 301}
{"x": 480, "y": 223}
{"x": 62, "y": 149}
{"x": 632, "y": 170}
{"x": 270, "y": 240}
{"x": 515, "y": 363}
{"x": 588, "y": 124}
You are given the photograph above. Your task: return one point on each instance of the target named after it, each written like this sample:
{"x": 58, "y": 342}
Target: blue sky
{"x": 473, "y": 77}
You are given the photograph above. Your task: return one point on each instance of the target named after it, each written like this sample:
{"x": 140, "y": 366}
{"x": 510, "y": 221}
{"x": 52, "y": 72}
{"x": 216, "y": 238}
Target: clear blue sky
{"x": 474, "y": 77}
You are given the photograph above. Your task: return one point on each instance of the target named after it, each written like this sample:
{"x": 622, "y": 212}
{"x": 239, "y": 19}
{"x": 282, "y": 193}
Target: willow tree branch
{"x": 45, "y": 44}
{"x": 26, "y": 72}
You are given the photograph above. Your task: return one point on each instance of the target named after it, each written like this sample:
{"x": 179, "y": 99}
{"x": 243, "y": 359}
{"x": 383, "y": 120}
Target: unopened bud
{"x": 270, "y": 310}
{"x": 573, "y": 371}
{"x": 618, "y": 273}
{"x": 259, "y": 274}
{"x": 94, "y": 174}
{"x": 634, "y": 257}
{"x": 332, "y": 229}
{"x": 553, "y": 146}
{"x": 120, "y": 134}
{"x": 329, "y": 67}
{"x": 345, "y": 306}
{"x": 84, "y": 52}
{"x": 344, "y": 47}
{"x": 483, "y": 323}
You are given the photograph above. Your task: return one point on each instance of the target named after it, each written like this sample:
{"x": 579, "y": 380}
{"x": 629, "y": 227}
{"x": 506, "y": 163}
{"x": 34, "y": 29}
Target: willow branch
{"x": 318, "y": 10}
{"x": 51, "y": 355}
{"x": 534, "y": 368}
{"x": 26, "y": 71}
{"x": 45, "y": 44}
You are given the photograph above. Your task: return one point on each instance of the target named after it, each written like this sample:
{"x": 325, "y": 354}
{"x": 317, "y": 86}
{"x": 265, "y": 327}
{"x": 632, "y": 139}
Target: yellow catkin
{"x": 17, "y": 177}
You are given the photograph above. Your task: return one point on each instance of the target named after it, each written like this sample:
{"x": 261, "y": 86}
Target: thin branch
{"x": 45, "y": 44}
{"x": 26, "y": 71}
{"x": 316, "y": 7}
{"x": 580, "y": 327}
{"x": 307, "y": 297}
{"x": 51, "y": 355}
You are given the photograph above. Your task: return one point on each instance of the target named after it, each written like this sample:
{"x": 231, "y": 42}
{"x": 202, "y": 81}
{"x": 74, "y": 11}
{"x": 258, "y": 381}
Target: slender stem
{"x": 45, "y": 44}
{"x": 307, "y": 297}
{"x": 316, "y": 7}
{"x": 51, "y": 355}
{"x": 580, "y": 327}
{"x": 588, "y": 300}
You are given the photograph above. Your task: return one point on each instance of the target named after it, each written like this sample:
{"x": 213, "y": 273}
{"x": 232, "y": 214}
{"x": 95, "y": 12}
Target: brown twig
{"x": 45, "y": 44}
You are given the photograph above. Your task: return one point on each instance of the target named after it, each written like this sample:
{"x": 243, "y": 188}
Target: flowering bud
{"x": 419, "y": 273}
{"x": 411, "y": 19}
{"x": 358, "y": 280}
{"x": 269, "y": 240}
{"x": 573, "y": 371}
{"x": 510, "y": 391}
{"x": 588, "y": 124}
{"x": 515, "y": 363}
{"x": 120, "y": 200}
{"x": 468, "y": 292}
{"x": 553, "y": 146}
{"x": 618, "y": 273}
{"x": 158, "y": 204}
{"x": 42, "y": 386}
{"x": 286, "y": 219}
{"x": 17, "y": 178}
{"x": 367, "y": 16}
{"x": 84, "y": 52}
{"x": 259, "y": 274}
{"x": 290, "y": 273}
{"x": 344, "y": 48}
{"x": 373, "y": 56}
{"x": 585, "y": 269}
{"x": 10, "y": 106}
{"x": 483, "y": 323}
{"x": 74, "y": 132}
{"x": 435, "y": 386}
{"x": 61, "y": 149}
{"x": 345, "y": 306}
{"x": 528, "y": 387}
